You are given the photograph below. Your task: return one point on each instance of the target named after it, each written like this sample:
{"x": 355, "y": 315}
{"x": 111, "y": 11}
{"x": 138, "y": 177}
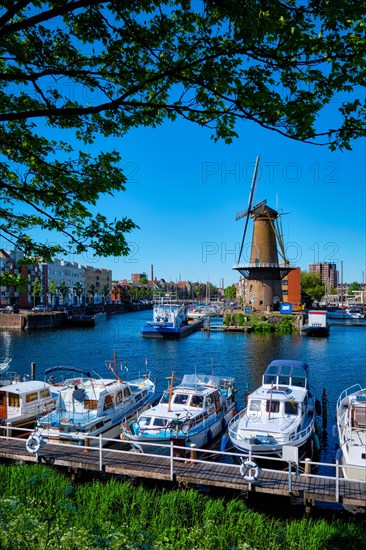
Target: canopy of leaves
{"x": 82, "y": 69}
{"x": 312, "y": 288}
{"x": 230, "y": 292}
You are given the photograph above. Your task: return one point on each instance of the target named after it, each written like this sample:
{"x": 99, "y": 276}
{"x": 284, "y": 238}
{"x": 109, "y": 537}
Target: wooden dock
{"x": 301, "y": 488}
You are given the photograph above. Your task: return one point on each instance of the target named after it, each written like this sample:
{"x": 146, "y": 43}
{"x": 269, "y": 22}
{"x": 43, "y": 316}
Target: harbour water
{"x": 335, "y": 362}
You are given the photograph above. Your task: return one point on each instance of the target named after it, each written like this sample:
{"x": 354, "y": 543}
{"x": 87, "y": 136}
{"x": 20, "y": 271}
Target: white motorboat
{"x": 4, "y": 365}
{"x": 196, "y": 411}
{"x": 87, "y": 407}
{"x": 351, "y": 425}
{"x": 21, "y": 403}
{"x": 279, "y": 413}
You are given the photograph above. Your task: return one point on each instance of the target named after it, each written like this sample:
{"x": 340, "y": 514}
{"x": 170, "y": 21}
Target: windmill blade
{"x": 243, "y": 239}
{"x": 241, "y": 214}
{"x": 247, "y": 212}
{"x": 254, "y": 181}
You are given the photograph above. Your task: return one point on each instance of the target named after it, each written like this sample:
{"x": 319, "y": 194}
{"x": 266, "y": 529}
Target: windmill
{"x": 263, "y": 272}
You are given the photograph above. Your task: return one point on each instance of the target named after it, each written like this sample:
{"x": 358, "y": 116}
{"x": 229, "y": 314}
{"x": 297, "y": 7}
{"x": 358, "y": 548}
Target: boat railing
{"x": 298, "y": 436}
{"x": 176, "y": 457}
{"x": 345, "y": 393}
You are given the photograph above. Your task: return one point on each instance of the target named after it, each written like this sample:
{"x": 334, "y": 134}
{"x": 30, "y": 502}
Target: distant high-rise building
{"x": 328, "y": 273}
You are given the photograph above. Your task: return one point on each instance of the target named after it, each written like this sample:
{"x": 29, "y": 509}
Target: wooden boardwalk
{"x": 302, "y": 489}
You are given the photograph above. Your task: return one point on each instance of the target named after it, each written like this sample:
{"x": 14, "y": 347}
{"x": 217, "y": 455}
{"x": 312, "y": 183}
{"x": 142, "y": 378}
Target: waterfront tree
{"x": 312, "y": 288}
{"x": 80, "y": 71}
{"x": 36, "y": 289}
{"x": 64, "y": 291}
{"x": 230, "y": 292}
{"x": 78, "y": 289}
{"x": 92, "y": 291}
{"x": 106, "y": 292}
{"x": 52, "y": 289}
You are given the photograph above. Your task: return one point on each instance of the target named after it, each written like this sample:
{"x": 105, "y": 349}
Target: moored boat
{"x": 21, "y": 403}
{"x": 196, "y": 411}
{"x": 281, "y": 412}
{"x": 88, "y": 407}
{"x": 170, "y": 319}
{"x": 351, "y": 425}
{"x": 4, "y": 365}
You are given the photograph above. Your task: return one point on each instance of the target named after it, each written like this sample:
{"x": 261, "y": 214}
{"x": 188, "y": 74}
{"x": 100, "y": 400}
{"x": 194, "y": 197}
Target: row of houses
{"x": 60, "y": 281}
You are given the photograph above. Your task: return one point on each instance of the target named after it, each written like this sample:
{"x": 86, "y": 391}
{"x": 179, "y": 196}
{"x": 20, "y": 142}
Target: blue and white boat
{"x": 196, "y": 411}
{"x": 87, "y": 407}
{"x": 281, "y": 412}
{"x": 170, "y": 319}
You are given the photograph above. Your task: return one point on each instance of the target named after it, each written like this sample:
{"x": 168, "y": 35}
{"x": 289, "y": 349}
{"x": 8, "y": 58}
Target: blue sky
{"x": 184, "y": 190}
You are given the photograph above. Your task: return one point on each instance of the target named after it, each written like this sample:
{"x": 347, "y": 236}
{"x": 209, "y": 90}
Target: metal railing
{"x": 173, "y": 454}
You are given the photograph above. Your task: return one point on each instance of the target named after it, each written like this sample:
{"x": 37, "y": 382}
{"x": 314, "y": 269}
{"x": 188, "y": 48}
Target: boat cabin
{"x": 25, "y": 400}
{"x": 286, "y": 374}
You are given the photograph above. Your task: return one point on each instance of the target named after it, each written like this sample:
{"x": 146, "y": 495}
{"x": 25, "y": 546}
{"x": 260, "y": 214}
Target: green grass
{"x": 41, "y": 509}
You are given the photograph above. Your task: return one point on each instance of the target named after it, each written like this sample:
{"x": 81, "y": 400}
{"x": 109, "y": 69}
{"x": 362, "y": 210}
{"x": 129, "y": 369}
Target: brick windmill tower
{"x": 264, "y": 272}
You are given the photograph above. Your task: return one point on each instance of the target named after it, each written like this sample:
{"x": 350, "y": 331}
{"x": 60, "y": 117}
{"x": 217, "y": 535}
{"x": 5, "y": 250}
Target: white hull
{"x": 351, "y": 425}
{"x": 161, "y": 445}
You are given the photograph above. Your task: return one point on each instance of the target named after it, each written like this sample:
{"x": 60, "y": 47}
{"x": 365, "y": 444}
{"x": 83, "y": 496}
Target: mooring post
{"x": 324, "y": 409}
{"x": 307, "y": 466}
{"x": 171, "y": 461}
{"x": 8, "y": 430}
{"x": 33, "y": 371}
{"x": 100, "y": 453}
{"x": 193, "y": 448}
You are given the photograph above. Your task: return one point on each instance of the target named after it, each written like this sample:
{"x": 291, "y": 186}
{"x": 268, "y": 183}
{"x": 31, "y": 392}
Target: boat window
{"x": 273, "y": 406}
{"x": 181, "y": 399}
{"x": 2, "y": 399}
{"x": 255, "y": 405}
{"x": 145, "y": 421}
{"x": 284, "y": 380}
{"x": 90, "y": 404}
{"x": 164, "y": 397}
{"x": 197, "y": 401}
{"x": 269, "y": 379}
{"x": 31, "y": 397}
{"x": 297, "y": 381}
{"x": 108, "y": 402}
{"x": 360, "y": 417}
{"x": 291, "y": 407}
{"x": 43, "y": 394}
{"x": 160, "y": 422}
{"x": 13, "y": 400}
{"x": 126, "y": 392}
{"x": 118, "y": 397}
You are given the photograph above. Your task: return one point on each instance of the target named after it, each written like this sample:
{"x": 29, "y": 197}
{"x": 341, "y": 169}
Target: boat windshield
{"x": 181, "y": 399}
{"x": 197, "y": 401}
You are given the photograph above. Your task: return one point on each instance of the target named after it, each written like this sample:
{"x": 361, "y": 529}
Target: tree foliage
{"x": 74, "y": 71}
{"x": 312, "y": 287}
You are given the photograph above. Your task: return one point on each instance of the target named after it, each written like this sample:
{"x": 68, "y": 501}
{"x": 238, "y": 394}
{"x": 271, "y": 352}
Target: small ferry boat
{"x": 88, "y": 406}
{"x": 317, "y": 324}
{"x": 170, "y": 319}
{"x": 280, "y": 412}
{"x": 21, "y": 403}
{"x": 351, "y": 425}
{"x": 195, "y": 411}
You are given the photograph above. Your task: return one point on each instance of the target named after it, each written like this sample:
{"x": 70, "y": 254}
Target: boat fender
{"x": 315, "y": 438}
{"x": 224, "y": 424}
{"x": 224, "y": 445}
{"x": 249, "y": 470}
{"x": 209, "y": 437}
{"x": 34, "y": 443}
{"x": 339, "y": 455}
{"x": 334, "y": 430}
{"x": 318, "y": 407}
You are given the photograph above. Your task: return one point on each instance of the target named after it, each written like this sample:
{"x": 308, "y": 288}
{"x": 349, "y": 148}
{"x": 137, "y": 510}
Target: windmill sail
{"x": 246, "y": 213}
